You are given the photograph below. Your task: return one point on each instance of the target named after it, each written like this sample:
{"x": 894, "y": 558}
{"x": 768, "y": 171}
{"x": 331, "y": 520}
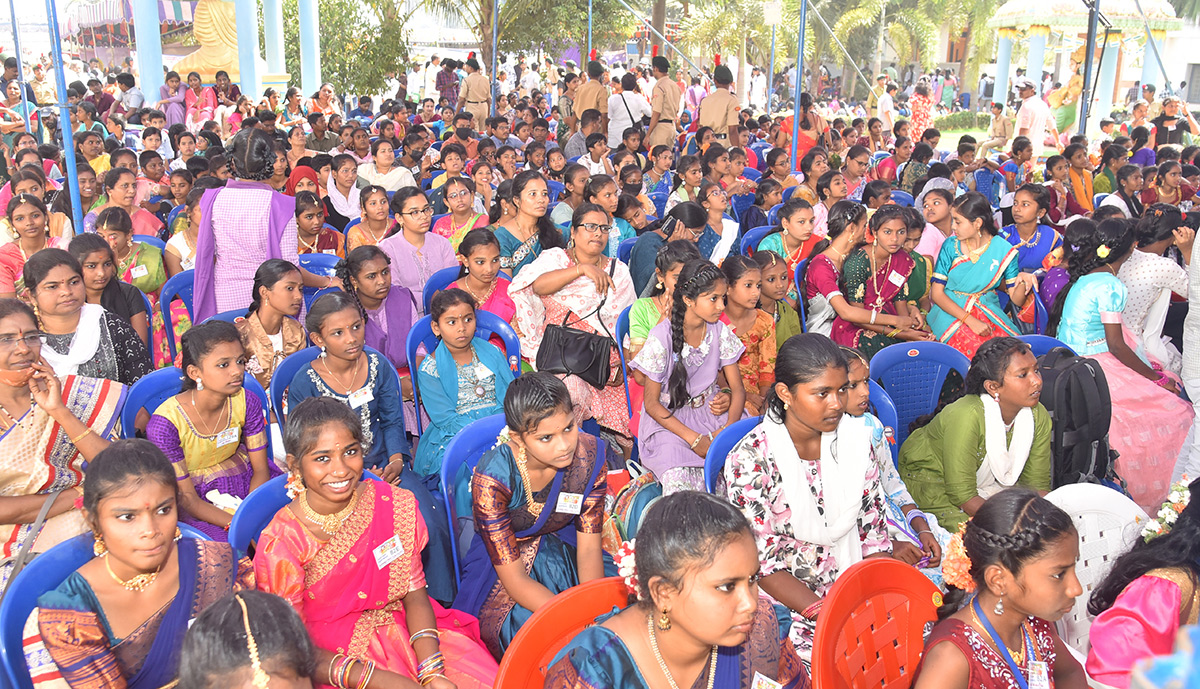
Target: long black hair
{"x": 671, "y": 254}
{"x": 347, "y": 269}
{"x": 199, "y": 341}
{"x": 1158, "y": 223}
{"x": 270, "y": 272}
{"x": 800, "y": 359}
{"x": 696, "y": 278}
{"x": 112, "y": 298}
{"x": 549, "y": 236}
{"x": 1113, "y": 238}
{"x": 252, "y": 155}
{"x": 532, "y": 398}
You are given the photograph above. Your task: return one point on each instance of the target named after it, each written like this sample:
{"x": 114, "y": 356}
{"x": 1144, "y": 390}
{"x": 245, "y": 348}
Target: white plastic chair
{"x": 1108, "y": 524}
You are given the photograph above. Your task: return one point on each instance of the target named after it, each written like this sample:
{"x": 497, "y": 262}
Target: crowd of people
{"x": 635, "y": 264}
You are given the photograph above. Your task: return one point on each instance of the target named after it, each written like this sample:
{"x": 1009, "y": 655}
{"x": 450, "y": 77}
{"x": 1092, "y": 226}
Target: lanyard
{"x": 1012, "y": 664}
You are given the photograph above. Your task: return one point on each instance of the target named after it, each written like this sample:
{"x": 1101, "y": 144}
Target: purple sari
{"x": 389, "y": 336}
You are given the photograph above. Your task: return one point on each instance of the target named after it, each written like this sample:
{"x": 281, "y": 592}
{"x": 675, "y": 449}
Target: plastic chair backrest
{"x": 352, "y": 223}
{"x": 787, "y": 193}
{"x": 625, "y": 249}
{"x": 739, "y": 204}
{"x": 878, "y": 156}
{"x": 152, "y": 241}
{"x": 43, "y": 574}
{"x": 465, "y": 449}
{"x": 912, "y": 373}
{"x": 181, "y": 286}
{"x": 1040, "y": 344}
{"x": 229, "y": 316}
{"x": 149, "y": 324}
{"x": 554, "y": 188}
{"x": 1041, "y": 316}
{"x": 553, "y": 626}
{"x": 1097, "y": 199}
{"x": 174, "y": 213}
{"x": 156, "y": 387}
{"x": 800, "y": 308}
{"x": 773, "y": 214}
{"x": 872, "y": 626}
{"x": 440, "y": 281}
{"x": 324, "y": 265}
{"x": 436, "y": 218}
{"x": 751, "y": 174}
{"x": 885, "y": 411}
{"x": 754, "y": 237}
{"x": 284, "y": 373}
{"x": 621, "y": 333}
{"x": 574, "y": 159}
{"x": 719, "y": 448}
{"x": 902, "y": 198}
{"x": 1108, "y": 523}
{"x": 659, "y": 199}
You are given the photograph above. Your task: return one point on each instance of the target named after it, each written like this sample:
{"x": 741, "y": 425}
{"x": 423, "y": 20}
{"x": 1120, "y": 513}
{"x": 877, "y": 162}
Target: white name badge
{"x": 761, "y": 682}
{"x": 896, "y": 278}
{"x": 139, "y": 272}
{"x": 360, "y": 397}
{"x": 1039, "y": 675}
{"x": 228, "y": 436}
{"x": 388, "y": 552}
{"x": 569, "y": 503}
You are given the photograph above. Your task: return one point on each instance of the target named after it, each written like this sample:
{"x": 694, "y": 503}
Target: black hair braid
{"x": 696, "y": 277}
{"x": 802, "y": 297}
{"x": 342, "y": 272}
{"x": 1079, "y": 264}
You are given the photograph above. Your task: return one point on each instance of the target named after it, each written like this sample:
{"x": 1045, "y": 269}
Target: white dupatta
{"x": 842, "y": 472}
{"x": 83, "y": 346}
{"x": 1004, "y": 461}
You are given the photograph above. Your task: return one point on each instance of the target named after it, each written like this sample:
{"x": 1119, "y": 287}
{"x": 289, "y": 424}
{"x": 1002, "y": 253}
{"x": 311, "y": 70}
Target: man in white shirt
{"x": 1033, "y": 116}
{"x": 530, "y": 80}
{"x": 758, "y": 89}
{"x": 431, "y": 70}
{"x": 886, "y": 108}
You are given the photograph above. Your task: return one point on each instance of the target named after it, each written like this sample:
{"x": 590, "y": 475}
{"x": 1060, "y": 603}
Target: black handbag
{"x": 570, "y": 351}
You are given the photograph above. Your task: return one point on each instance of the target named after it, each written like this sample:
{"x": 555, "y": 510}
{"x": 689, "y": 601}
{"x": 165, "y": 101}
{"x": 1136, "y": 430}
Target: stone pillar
{"x": 1003, "y": 60}
{"x": 273, "y": 32}
{"x": 310, "y": 47}
{"x": 1037, "y": 54}
{"x": 1108, "y": 78}
{"x": 247, "y": 36}
{"x": 149, "y": 48}
{"x": 1151, "y": 71}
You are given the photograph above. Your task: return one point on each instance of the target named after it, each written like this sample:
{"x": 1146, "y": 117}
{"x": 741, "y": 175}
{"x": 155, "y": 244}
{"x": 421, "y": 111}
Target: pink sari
{"x": 352, "y": 606}
{"x": 200, "y": 108}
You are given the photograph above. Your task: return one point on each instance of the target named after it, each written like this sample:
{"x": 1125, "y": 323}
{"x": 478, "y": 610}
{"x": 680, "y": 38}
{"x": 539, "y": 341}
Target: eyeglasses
{"x": 31, "y": 340}
{"x": 427, "y": 210}
{"x": 457, "y": 194}
{"x": 594, "y": 228}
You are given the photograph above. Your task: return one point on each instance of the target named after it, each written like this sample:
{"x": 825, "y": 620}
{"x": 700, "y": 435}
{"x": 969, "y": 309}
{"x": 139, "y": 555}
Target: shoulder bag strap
{"x": 612, "y": 270}
{"x": 632, "y": 122}
{"x": 25, "y": 554}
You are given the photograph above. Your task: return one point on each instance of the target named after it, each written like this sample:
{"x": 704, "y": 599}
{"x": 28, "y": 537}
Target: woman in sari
{"x": 538, "y": 501}
{"x": 972, "y": 268}
{"x": 102, "y": 287}
{"x": 888, "y": 169}
{"x": 80, "y": 338}
{"x": 120, "y": 619}
{"x": 808, "y": 481}
{"x": 875, "y": 278}
{"x": 730, "y": 633}
{"x": 28, "y": 215}
{"x": 346, "y": 553}
{"x": 922, "y": 110}
{"x": 1032, "y": 239}
{"x": 200, "y": 103}
{"x": 120, "y": 188}
{"x": 530, "y": 232}
{"x": 463, "y": 380}
{"x": 590, "y": 290}
{"x": 41, "y": 416}
{"x": 459, "y": 192}
{"x": 141, "y": 265}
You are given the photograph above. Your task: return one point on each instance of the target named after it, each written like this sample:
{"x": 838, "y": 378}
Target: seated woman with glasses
{"x": 42, "y": 438}
{"x": 462, "y": 217}
{"x": 415, "y": 253}
{"x": 582, "y": 287}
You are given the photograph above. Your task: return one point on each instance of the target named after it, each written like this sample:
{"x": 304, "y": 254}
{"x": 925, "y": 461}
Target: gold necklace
{"x": 138, "y": 583}
{"x": 353, "y": 375}
{"x": 478, "y": 301}
{"x": 329, "y": 523}
{"x": 199, "y": 416}
{"x": 371, "y": 233}
{"x": 534, "y": 508}
{"x": 1018, "y": 656}
{"x": 311, "y": 247}
{"x": 662, "y": 664}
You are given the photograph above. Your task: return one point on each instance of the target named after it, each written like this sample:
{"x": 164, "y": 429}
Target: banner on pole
{"x": 773, "y": 12}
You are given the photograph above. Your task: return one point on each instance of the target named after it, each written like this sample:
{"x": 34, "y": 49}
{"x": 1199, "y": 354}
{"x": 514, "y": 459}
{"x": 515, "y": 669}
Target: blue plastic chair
{"x": 1041, "y": 344}
{"x": 885, "y": 411}
{"x": 574, "y": 159}
{"x": 621, "y": 333}
{"x": 555, "y": 188}
{"x": 229, "y": 316}
{"x": 902, "y": 198}
{"x": 659, "y": 199}
{"x": 878, "y": 157}
{"x": 44, "y": 573}
{"x": 1041, "y": 316}
{"x": 625, "y": 249}
{"x": 149, "y": 325}
{"x": 753, "y": 237}
{"x": 152, "y": 241}
{"x": 913, "y": 373}
{"x": 739, "y": 204}
{"x": 181, "y": 286}
{"x": 158, "y": 386}
{"x": 800, "y": 310}
{"x": 257, "y": 510}
{"x": 352, "y": 223}
{"x": 773, "y": 214}
{"x": 465, "y": 449}
{"x": 718, "y": 450}
{"x": 486, "y": 325}
{"x": 324, "y": 265}
{"x": 174, "y": 213}
{"x": 751, "y": 174}
{"x": 1097, "y": 199}
{"x": 441, "y": 280}
{"x": 787, "y": 193}
{"x": 284, "y": 373}
{"x": 432, "y": 222}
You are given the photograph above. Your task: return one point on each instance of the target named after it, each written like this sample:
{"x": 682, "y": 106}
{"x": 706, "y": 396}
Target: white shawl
{"x": 346, "y": 206}
{"x": 1003, "y": 462}
{"x": 83, "y": 346}
{"x": 845, "y": 461}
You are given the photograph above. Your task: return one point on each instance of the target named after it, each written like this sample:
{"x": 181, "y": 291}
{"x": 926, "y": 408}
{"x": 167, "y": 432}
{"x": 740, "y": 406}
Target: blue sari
{"x": 515, "y": 254}
{"x": 974, "y": 286}
{"x": 507, "y": 531}
{"x": 78, "y": 637}
{"x": 1031, "y": 253}
{"x": 598, "y": 659}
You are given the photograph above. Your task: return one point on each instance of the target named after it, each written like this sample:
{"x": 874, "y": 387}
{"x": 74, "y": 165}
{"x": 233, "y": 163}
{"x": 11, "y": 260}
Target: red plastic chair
{"x": 552, "y": 628}
{"x": 871, "y": 630}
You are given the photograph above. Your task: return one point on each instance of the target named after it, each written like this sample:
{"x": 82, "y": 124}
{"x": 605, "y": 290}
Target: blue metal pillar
{"x": 1037, "y": 59}
{"x": 149, "y": 50}
{"x": 64, "y": 114}
{"x": 310, "y": 46}
{"x": 12, "y": 7}
{"x": 273, "y": 32}
{"x": 1003, "y": 60}
{"x": 1108, "y": 77}
{"x": 247, "y": 34}
{"x": 799, "y": 82}
{"x": 771, "y": 74}
{"x": 589, "y": 55}
{"x": 493, "y": 75}
{"x": 1151, "y": 70}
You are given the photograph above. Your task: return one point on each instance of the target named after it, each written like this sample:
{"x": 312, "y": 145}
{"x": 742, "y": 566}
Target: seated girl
{"x": 648, "y": 312}
{"x": 341, "y": 203}
{"x": 575, "y": 179}
{"x": 1148, "y": 595}
{"x": 101, "y": 286}
{"x": 939, "y": 224}
{"x": 959, "y": 459}
{"x": 180, "y": 254}
{"x": 415, "y": 253}
{"x": 250, "y": 638}
{"x": 479, "y": 254}
{"x": 1032, "y": 239}
{"x": 766, "y": 196}
{"x": 809, "y": 524}
{"x": 459, "y": 195}
{"x": 772, "y": 298}
{"x": 312, "y": 235}
{"x": 794, "y": 239}
{"x": 685, "y": 540}
{"x": 919, "y": 280}
{"x": 28, "y": 216}
{"x": 461, "y": 381}
{"x": 972, "y": 268}
{"x": 1128, "y": 195}
{"x": 1149, "y": 420}
{"x": 270, "y": 332}
{"x": 141, "y": 265}
{"x": 1018, "y": 554}
{"x": 686, "y": 187}
{"x": 120, "y": 619}
{"x": 754, "y": 328}
{"x": 682, "y": 360}
{"x": 874, "y": 281}
{"x": 213, "y": 431}
{"x": 602, "y": 191}
{"x": 375, "y": 221}
{"x": 346, "y": 553}
{"x": 538, "y": 501}
{"x": 368, "y": 385}
{"x": 1151, "y": 279}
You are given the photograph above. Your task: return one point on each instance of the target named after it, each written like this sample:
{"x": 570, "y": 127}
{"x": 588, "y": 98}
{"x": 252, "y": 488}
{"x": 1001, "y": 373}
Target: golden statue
{"x": 214, "y": 25}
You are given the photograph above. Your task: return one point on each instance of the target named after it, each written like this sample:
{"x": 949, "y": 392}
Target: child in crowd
{"x": 314, "y": 237}
{"x": 753, "y": 327}
{"x": 376, "y": 220}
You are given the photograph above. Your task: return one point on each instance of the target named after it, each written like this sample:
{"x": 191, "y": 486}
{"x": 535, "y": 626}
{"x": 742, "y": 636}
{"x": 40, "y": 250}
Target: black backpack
{"x": 1075, "y": 393}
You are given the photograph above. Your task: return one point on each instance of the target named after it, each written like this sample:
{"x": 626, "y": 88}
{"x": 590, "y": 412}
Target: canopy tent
{"x": 102, "y": 13}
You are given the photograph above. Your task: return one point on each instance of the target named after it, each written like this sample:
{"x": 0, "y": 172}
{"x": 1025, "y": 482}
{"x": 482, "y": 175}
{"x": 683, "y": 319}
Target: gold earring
{"x": 664, "y": 622}
{"x": 658, "y": 285}
{"x": 98, "y": 548}
{"x": 178, "y": 533}
{"x": 199, "y": 384}
{"x": 785, "y": 406}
